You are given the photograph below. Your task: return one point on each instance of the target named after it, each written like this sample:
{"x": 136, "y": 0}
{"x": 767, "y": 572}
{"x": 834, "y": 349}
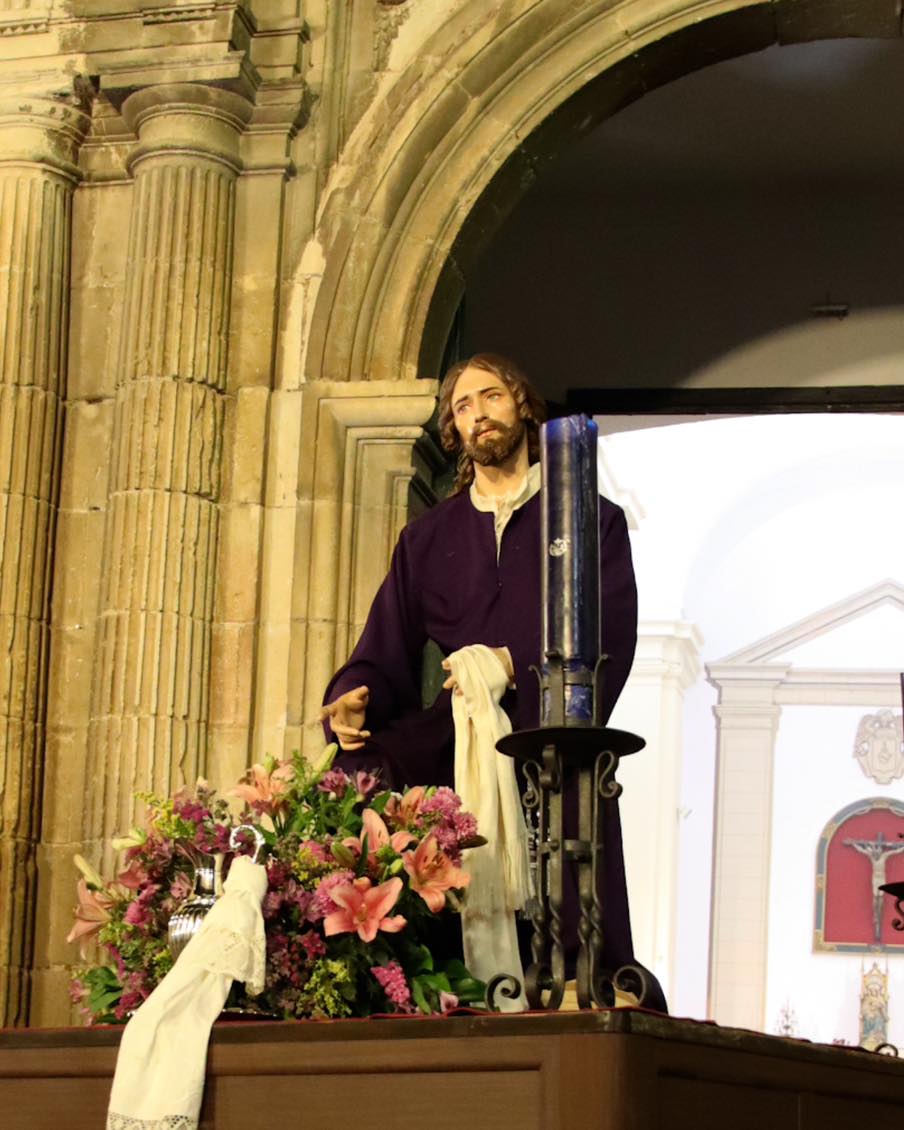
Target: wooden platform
{"x": 577, "y": 1071}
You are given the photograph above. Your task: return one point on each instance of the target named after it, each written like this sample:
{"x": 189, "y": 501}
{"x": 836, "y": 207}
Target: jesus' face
{"x": 486, "y": 417}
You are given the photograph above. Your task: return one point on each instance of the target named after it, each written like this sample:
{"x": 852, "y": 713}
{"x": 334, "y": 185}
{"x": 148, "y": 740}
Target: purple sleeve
{"x": 618, "y": 600}
{"x": 387, "y": 657}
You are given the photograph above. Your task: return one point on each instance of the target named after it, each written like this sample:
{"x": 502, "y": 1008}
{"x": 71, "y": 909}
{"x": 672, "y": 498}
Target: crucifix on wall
{"x": 848, "y": 905}
{"x": 877, "y": 851}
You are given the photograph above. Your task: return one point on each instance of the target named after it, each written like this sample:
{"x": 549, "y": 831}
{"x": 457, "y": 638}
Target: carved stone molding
{"x": 23, "y": 17}
{"x": 342, "y": 516}
{"x": 391, "y": 15}
{"x": 41, "y": 131}
{"x": 191, "y": 121}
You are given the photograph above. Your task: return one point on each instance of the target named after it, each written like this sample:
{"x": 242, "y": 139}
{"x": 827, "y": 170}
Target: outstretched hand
{"x": 345, "y": 715}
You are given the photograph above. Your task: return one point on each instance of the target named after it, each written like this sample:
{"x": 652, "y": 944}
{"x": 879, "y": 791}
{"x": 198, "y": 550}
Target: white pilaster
{"x": 652, "y": 705}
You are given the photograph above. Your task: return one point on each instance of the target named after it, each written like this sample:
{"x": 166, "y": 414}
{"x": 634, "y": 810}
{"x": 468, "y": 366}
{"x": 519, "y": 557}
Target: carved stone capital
{"x": 43, "y": 131}
{"x": 189, "y": 119}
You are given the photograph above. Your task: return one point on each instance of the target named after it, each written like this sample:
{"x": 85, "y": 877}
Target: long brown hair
{"x": 531, "y": 409}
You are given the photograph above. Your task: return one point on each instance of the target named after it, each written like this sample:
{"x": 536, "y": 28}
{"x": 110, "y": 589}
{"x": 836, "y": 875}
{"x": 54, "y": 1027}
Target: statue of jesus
{"x": 877, "y": 851}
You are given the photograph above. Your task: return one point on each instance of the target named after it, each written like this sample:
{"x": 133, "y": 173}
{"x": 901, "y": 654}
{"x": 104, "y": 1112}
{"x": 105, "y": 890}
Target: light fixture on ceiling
{"x": 830, "y": 309}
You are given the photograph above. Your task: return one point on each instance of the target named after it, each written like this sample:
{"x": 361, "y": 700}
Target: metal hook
{"x": 258, "y": 838}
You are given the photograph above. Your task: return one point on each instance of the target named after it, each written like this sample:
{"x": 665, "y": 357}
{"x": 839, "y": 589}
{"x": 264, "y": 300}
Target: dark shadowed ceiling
{"x": 815, "y": 112}
{"x": 708, "y": 221}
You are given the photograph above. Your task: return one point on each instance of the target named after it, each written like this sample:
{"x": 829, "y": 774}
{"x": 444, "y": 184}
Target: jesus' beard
{"x": 493, "y": 450}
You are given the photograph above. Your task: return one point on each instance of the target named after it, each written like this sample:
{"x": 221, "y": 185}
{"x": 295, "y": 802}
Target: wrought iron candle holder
{"x": 896, "y": 891}
{"x": 584, "y": 755}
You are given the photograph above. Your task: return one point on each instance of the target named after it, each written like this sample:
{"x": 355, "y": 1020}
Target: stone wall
{"x": 232, "y": 239}
{"x": 175, "y": 493}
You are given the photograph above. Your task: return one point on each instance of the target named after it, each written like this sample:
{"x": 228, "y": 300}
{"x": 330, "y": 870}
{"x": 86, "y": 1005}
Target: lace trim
{"x": 168, "y": 1122}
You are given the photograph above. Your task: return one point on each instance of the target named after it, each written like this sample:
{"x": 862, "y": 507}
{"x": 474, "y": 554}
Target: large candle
{"x": 569, "y": 540}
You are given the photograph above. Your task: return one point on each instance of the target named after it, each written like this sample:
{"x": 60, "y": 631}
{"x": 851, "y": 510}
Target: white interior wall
{"x": 749, "y": 525}
{"x": 816, "y": 776}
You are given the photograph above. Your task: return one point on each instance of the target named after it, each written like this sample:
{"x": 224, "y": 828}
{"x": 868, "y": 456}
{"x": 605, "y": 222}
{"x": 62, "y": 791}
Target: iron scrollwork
{"x": 583, "y": 756}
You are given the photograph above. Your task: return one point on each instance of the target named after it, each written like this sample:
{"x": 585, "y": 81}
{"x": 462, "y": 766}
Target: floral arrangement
{"x": 362, "y": 884}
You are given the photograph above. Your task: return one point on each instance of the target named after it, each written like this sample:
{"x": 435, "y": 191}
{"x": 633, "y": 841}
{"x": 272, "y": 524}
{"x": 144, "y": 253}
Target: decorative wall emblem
{"x": 860, "y": 849}
{"x": 873, "y": 1007}
{"x": 878, "y": 746}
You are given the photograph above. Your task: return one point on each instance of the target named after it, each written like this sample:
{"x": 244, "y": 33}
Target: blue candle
{"x": 569, "y": 539}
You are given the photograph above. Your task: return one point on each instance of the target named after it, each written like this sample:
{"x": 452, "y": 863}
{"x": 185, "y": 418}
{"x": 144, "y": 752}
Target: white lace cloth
{"x": 485, "y": 781}
{"x": 159, "y": 1080}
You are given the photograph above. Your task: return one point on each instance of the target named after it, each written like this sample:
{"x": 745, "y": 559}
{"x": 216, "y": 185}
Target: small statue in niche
{"x": 873, "y": 1007}
{"x": 878, "y": 746}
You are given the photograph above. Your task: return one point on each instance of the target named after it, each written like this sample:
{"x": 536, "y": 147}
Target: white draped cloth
{"x": 485, "y": 781}
{"x": 159, "y": 1080}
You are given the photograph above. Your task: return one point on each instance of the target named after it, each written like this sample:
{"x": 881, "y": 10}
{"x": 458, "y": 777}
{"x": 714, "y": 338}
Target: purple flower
{"x": 365, "y": 783}
{"x": 314, "y": 945}
{"x": 272, "y": 904}
{"x": 391, "y": 979}
{"x": 127, "y": 1003}
{"x": 137, "y": 914}
{"x": 323, "y": 902}
{"x": 336, "y": 781}
{"x": 445, "y": 802}
{"x": 449, "y": 824}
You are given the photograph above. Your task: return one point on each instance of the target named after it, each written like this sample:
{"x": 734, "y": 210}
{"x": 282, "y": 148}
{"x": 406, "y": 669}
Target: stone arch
{"x": 456, "y": 140}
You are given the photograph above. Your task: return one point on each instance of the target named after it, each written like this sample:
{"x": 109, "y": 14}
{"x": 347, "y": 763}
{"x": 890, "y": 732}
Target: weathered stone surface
{"x": 245, "y": 444}
{"x": 232, "y": 681}
{"x": 240, "y": 537}
{"x": 38, "y": 145}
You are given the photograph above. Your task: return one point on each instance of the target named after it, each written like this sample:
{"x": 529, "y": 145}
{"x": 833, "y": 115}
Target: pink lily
{"x": 133, "y": 877}
{"x": 377, "y": 835}
{"x": 433, "y": 873}
{"x": 404, "y": 810}
{"x": 92, "y": 913}
{"x": 265, "y": 791}
{"x": 363, "y": 909}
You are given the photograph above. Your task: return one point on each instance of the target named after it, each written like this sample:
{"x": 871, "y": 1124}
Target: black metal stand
{"x": 566, "y": 747}
{"x": 896, "y": 891}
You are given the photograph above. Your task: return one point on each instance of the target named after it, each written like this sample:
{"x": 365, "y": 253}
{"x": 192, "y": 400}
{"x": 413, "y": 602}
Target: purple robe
{"x": 445, "y": 584}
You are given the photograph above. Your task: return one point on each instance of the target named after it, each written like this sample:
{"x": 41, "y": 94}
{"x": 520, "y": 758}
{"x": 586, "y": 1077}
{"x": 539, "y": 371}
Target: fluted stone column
{"x": 150, "y": 695}
{"x": 39, "y": 140}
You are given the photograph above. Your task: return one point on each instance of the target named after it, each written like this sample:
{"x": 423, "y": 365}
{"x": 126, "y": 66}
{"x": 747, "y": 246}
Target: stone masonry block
{"x": 247, "y": 447}
{"x": 65, "y": 778}
{"x": 232, "y": 670}
{"x": 86, "y": 455}
{"x": 78, "y": 567}
{"x": 238, "y": 567}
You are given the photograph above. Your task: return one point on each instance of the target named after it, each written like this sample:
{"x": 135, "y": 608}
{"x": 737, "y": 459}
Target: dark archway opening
{"x": 726, "y": 243}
